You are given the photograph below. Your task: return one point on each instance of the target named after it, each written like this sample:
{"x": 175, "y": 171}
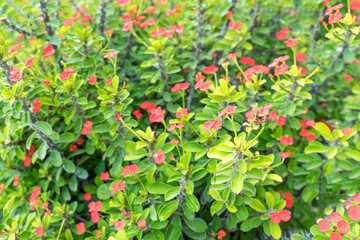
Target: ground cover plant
{"x": 179, "y": 119}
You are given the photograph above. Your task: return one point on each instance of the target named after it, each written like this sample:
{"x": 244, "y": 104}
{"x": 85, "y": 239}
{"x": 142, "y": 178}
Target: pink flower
{"x": 104, "y": 176}
{"x": 142, "y": 224}
{"x": 119, "y": 225}
{"x": 159, "y": 157}
{"x": 324, "y": 225}
{"x": 127, "y": 26}
{"x": 334, "y": 18}
{"x": 291, "y": 42}
{"x": 92, "y": 80}
{"x": 111, "y": 54}
{"x": 29, "y": 62}
{"x": 210, "y": 69}
{"x": 80, "y": 228}
{"x": 39, "y": 231}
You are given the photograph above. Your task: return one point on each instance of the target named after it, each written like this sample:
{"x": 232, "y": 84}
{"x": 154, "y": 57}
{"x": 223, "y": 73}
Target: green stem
{"x": 192, "y": 127}
{"x": 311, "y": 74}
{"x": 238, "y": 66}
{"x": 258, "y": 135}
{"x": 233, "y": 124}
{"x": 62, "y": 224}
{"x": 140, "y": 138}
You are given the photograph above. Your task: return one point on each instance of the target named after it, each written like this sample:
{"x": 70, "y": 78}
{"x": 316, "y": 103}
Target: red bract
{"x": 291, "y": 42}
{"x": 285, "y": 215}
{"x": 141, "y": 224}
{"x": 123, "y": 2}
{"x": 281, "y": 121}
{"x": 343, "y": 226}
{"x": 137, "y": 114}
{"x": 119, "y": 225}
{"x": 73, "y": 148}
{"x": 150, "y": 9}
{"x": 334, "y": 18}
{"x": 133, "y": 168}
{"x": 235, "y": 26}
{"x": 16, "y": 180}
{"x": 335, "y": 236}
{"x": 300, "y": 57}
{"x": 275, "y": 217}
{"x": 116, "y": 187}
{"x": 127, "y": 26}
{"x": 284, "y": 154}
{"x": 95, "y": 206}
{"x": 355, "y": 5}
{"x": 118, "y": 116}
{"x": 37, "y": 105}
{"x": 229, "y": 110}
{"x": 157, "y": 115}
{"x": 87, "y": 196}
{"x": 104, "y": 176}
{"x": 221, "y": 234}
{"x": 110, "y": 31}
{"x": 210, "y": 69}
{"x": 39, "y": 231}
{"x": 248, "y": 61}
{"x": 286, "y": 140}
{"x": 231, "y": 55}
{"x": 354, "y": 213}
{"x": 66, "y": 73}
{"x": 356, "y": 197}
{"x": 29, "y": 62}
{"x": 281, "y": 70}
{"x": 111, "y": 54}
{"x": 273, "y": 116}
{"x": 335, "y": 217}
{"x": 324, "y": 225}
{"x": 92, "y": 80}
{"x": 159, "y": 157}
{"x": 80, "y": 228}
{"x": 348, "y": 77}
{"x": 174, "y": 141}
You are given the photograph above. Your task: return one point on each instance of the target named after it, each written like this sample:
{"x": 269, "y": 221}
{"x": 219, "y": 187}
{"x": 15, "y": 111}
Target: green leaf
{"x": 174, "y": 230}
{"x": 197, "y": 225}
{"x": 310, "y": 192}
{"x": 41, "y": 152}
{"x": 290, "y": 108}
{"x": 237, "y": 182}
{"x": 193, "y": 147}
{"x": 68, "y": 166}
{"x": 168, "y": 209}
{"x": 8, "y": 209}
{"x": 275, "y": 230}
{"x": 349, "y": 55}
{"x": 269, "y": 199}
{"x": 331, "y": 152}
{"x": 159, "y": 188}
{"x": 67, "y": 137}
{"x": 185, "y": 159}
{"x": 55, "y": 158}
{"x": 215, "y": 207}
{"x": 55, "y": 40}
{"x": 353, "y": 154}
{"x": 193, "y": 202}
{"x": 215, "y": 195}
{"x": 44, "y": 127}
{"x": 73, "y": 183}
{"x": 104, "y": 192}
{"x": 324, "y": 130}
{"x": 257, "y": 205}
{"x": 173, "y": 192}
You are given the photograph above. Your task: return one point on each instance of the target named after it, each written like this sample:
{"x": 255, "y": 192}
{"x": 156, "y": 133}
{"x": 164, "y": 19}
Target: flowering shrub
{"x": 161, "y": 119}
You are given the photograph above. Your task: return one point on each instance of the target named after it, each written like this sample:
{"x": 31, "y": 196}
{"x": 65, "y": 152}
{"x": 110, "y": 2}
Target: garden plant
{"x": 179, "y": 119}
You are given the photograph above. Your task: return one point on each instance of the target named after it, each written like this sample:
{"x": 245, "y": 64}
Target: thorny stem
{"x": 15, "y": 28}
{"x": 103, "y": 16}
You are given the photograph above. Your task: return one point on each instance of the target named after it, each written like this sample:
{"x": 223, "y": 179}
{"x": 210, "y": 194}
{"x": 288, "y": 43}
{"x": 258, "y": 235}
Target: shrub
{"x": 178, "y": 119}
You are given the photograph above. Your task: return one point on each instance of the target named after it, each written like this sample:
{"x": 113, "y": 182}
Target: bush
{"x": 179, "y": 119}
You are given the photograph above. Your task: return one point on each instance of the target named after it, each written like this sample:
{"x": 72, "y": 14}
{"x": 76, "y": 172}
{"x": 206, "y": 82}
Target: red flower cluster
{"x": 159, "y": 157}
{"x": 347, "y": 131}
{"x": 87, "y": 128}
{"x": 39, "y": 231}
{"x": 16, "y": 180}
{"x": 213, "y": 125}
{"x": 119, "y": 225}
{"x": 33, "y": 197}
{"x": 291, "y": 42}
{"x": 116, "y": 187}
{"x": 132, "y": 169}
{"x": 179, "y": 86}
{"x": 283, "y": 34}
{"x": 307, "y": 123}
{"x": 221, "y": 234}
{"x": 210, "y": 69}
{"x": 104, "y": 176}
{"x": 111, "y": 54}
{"x": 94, "y": 208}
{"x": 229, "y": 110}
{"x": 300, "y": 57}
{"x": 65, "y": 75}
{"x": 48, "y": 52}
{"x": 235, "y": 26}
{"x": 37, "y": 105}
{"x": 278, "y": 217}
{"x": 258, "y": 115}
{"x": 29, "y": 153}
{"x": 286, "y": 140}
{"x": 182, "y": 113}
{"x": 80, "y": 227}
{"x": 141, "y": 224}
{"x": 15, "y": 74}
{"x": 348, "y": 77}
{"x": 200, "y": 84}
{"x": 137, "y": 114}
{"x": 247, "y": 61}
{"x": 29, "y": 62}
{"x": 157, "y": 115}
{"x": 148, "y": 106}
{"x": 173, "y": 126}
{"x": 92, "y": 80}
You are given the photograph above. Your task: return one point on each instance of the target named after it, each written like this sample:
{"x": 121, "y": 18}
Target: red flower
{"x": 355, "y": 5}
{"x": 141, "y": 224}
{"x": 95, "y": 218}
{"x": 133, "y": 168}
{"x": 125, "y": 171}
{"x": 80, "y": 141}
{"x": 334, "y": 18}
{"x": 235, "y": 25}
{"x": 335, "y": 217}
{"x": 46, "y": 83}
{"x": 286, "y": 140}
{"x": 37, "y": 105}
{"x": 273, "y": 116}
{"x": 111, "y": 54}
{"x": 119, "y": 225}
{"x": 248, "y": 61}
{"x": 104, "y": 176}
{"x": 157, "y": 115}
{"x": 354, "y": 213}
{"x": 284, "y": 154}
{"x": 281, "y": 70}
{"x": 343, "y": 226}
{"x": 48, "y": 54}
{"x": 288, "y": 196}
{"x": 348, "y": 77}
{"x": 66, "y": 73}
{"x": 29, "y": 62}
{"x": 80, "y": 228}
{"x": 300, "y": 57}
{"x": 285, "y": 215}
{"x": 229, "y": 110}
{"x": 92, "y": 80}
{"x": 39, "y": 231}
{"x": 281, "y": 36}
{"x": 289, "y": 203}
{"x": 291, "y": 42}
{"x": 150, "y": 9}
{"x": 110, "y": 31}
{"x": 356, "y": 197}
{"x": 221, "y": 234}
{"x": 281, "y": 121}
{"x": 182, "y": 113}
{"x": 172, "y": 12}
{"x": 159, "y": 157}
{"x": 275, "y": 217}
{"x": 127, "y": 26}
{"x": 16, "y": 180}
{"x": 87, "y": 196}
{"x": 118, "y": 117}
{"x": 310, "y": 137}
{"x": 324, "y": 225}
{"x": 118, "y": 187}
{"x": 174, "y": 141}
{"x": 73, "y": 148}
{"x": 137, "y": 114}
{"x": 231, "y": 55}
{"x": 207, "y": 125}
{"x": 210, "y": 69}
{"x": 216, "y": 125}
{"x": 95, "y": 206}
{"x": 335, "y": 236}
